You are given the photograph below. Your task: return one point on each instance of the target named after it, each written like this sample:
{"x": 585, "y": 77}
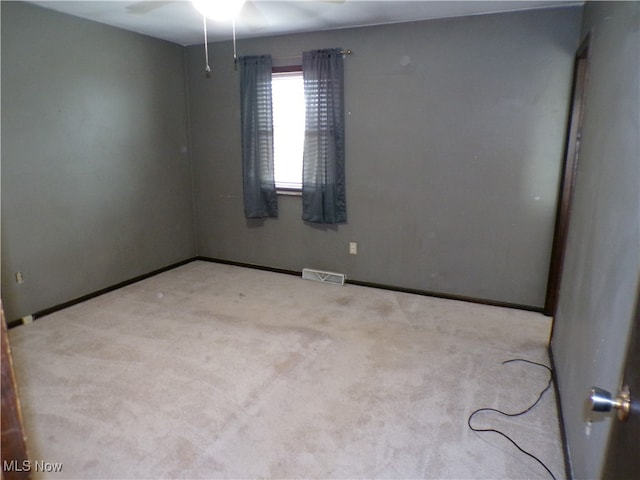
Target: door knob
{"x": 602, "y": 401}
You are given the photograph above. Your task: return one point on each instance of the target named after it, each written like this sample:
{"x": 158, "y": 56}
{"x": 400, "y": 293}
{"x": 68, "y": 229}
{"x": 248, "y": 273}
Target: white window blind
{"x": 288, "y": 129}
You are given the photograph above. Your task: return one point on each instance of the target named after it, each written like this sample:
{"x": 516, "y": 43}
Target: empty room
{"x": 320, "y": 239}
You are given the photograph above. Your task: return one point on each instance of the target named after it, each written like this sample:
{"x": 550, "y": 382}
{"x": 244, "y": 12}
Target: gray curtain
{"x": 260, "y": 198}
{"x": 323, "y": 172}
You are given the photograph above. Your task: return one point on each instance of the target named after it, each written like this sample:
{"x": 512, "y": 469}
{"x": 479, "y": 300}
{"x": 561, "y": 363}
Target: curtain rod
{"x": 343, "y": 52}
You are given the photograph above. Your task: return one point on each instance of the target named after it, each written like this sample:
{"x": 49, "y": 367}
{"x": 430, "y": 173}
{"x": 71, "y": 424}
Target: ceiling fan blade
{"x": 146, "y": 6}
{"x": 258, "y": 15}
{"x": 251, "y": 17}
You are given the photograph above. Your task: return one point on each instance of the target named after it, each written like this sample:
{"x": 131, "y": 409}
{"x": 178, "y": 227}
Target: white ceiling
{"x": 177, "y": 21}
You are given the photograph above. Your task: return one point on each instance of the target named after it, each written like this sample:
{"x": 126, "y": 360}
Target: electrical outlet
{"x": 353, "y": 248}
{"x": 19, "y": 278}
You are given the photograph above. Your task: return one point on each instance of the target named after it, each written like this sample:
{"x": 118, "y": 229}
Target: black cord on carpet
{"x": 516, "y": 414}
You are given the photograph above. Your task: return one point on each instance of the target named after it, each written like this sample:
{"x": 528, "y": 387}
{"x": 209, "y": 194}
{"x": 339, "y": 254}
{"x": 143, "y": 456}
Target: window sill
{"x": 290, "y": 193}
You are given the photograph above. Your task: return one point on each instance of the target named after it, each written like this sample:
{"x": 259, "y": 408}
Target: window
{"x": 309, "y": 130}
{"x": 287, "y": 90}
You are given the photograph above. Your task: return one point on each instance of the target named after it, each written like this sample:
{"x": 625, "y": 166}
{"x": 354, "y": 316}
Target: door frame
{"x": 568, "y": 176}
{"x": 14, "y": 446}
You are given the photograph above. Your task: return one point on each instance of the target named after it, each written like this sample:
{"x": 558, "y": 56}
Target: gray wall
{"x": 598, "y": 291}
{"x": 96, "y": 185}
{"x": 454, "y": 140}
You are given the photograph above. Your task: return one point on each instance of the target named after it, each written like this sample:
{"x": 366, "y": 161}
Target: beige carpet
{"x": 215, "y": 371}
